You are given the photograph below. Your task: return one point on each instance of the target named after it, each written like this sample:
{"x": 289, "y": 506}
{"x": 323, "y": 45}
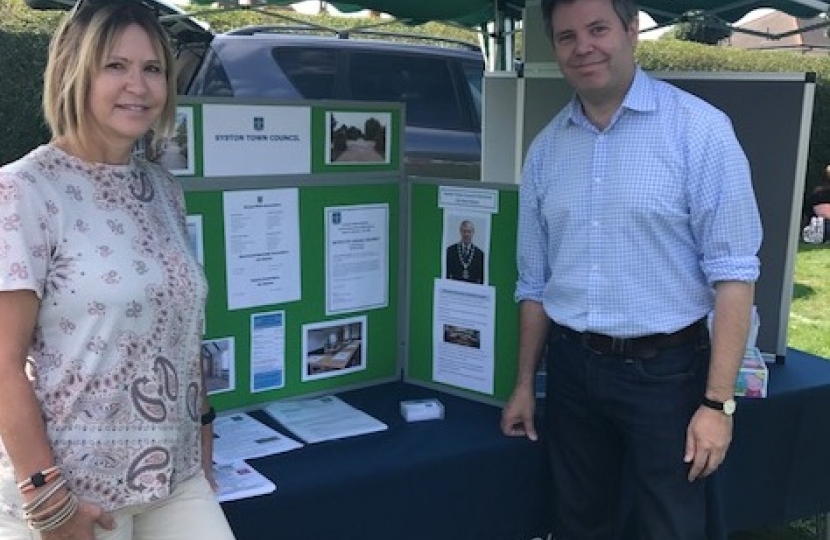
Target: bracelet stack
{"x": 43, "y": 517}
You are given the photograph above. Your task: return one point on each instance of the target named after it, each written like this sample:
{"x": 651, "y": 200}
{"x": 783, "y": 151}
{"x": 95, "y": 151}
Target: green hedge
{"x": 673, "y": 55}
{"x": 24, "y": 35}
{"x": 24, "y": 38}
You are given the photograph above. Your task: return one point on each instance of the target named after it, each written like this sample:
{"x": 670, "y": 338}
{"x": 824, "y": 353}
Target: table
{"x": 336, "y": 359}
{"x": 460, "y": 478}
{"x": 778, "y": 469}
{"x": 457, "y": 478}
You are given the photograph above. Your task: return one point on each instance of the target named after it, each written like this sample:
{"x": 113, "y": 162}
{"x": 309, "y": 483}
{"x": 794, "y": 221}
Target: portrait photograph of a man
{"x": 464, "y": 257}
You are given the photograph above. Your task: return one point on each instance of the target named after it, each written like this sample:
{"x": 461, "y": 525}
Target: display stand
{"x": 333, "y": 307}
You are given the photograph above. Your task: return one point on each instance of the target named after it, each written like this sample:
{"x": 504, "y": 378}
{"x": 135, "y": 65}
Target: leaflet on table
{"x": 322, "y": 419}
{"x": 238, "y": 480}
{"x": 239, "y": 436}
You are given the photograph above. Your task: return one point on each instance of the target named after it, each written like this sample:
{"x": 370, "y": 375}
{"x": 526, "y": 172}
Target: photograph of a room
{"x": 334, "y": 348}
{"x": 218, "y": 364}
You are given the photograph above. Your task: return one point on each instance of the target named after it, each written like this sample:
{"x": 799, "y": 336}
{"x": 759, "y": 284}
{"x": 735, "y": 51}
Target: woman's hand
{"x": 81, "y": 526}
{"x": 207, "y": 455}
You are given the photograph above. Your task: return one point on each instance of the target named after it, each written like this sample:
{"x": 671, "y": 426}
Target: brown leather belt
{"x": 638, "y": 347}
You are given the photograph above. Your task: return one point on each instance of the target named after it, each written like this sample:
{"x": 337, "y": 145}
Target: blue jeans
{"x": 617, "y": 434}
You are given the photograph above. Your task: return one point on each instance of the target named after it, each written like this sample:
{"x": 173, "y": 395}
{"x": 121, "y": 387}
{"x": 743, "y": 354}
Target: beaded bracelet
{"x": 39, "y": 479}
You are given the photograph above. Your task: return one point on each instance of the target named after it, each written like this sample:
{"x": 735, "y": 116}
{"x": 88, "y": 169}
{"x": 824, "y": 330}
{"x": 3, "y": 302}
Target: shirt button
{"x": 595, "y": 223}
{"x": 594, "y": 267}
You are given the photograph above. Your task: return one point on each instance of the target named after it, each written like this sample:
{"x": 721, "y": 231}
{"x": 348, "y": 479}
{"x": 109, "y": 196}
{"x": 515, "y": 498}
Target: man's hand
{"x": 517, "y": 415}
{"x": 707, "y": 440}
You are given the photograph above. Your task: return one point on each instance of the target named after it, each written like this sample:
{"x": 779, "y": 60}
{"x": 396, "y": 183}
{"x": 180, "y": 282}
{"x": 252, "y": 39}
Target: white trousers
{"x": 191, "y": 513}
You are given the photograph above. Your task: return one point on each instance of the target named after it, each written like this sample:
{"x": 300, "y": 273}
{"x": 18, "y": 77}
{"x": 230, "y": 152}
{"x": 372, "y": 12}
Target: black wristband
{"x": 209, "y": 417}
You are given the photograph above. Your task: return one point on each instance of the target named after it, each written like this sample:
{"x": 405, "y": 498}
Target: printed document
{"x": 240, "y": 436}
{"x": 322, "y": 419}
{"x": 238, "y": 480}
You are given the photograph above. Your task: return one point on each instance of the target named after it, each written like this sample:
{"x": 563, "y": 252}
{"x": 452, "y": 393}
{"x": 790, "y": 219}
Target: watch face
{"x": 729, "y": 407}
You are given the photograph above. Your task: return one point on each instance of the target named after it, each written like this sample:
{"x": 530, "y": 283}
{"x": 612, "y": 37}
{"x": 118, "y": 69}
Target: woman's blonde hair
{"x": 77, "y": 52}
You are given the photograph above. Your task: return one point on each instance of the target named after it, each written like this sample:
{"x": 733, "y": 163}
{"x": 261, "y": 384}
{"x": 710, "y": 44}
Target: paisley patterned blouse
{"x": 116, "y": 349}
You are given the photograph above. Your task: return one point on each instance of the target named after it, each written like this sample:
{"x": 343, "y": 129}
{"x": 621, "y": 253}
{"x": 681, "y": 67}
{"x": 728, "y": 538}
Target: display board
{"x": 771, "y": 114}
{"x": 294, "y": 211}
{"x": 453, "y": 344}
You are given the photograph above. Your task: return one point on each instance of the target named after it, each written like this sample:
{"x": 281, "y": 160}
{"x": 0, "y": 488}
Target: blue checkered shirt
{"x": 625, "y": 231}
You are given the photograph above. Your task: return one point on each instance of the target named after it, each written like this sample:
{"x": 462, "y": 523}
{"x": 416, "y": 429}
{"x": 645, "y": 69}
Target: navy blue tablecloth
{"x": 778, "y": 467}
{"x": 457, "y": 478}
{"x": 461, "y": 479}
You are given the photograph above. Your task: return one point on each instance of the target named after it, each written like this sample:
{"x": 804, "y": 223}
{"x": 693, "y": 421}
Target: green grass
{"x": 809, "y": 327}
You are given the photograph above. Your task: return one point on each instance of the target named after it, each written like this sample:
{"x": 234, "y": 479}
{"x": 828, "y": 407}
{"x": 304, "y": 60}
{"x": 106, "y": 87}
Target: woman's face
{"x": 129, "y": 92}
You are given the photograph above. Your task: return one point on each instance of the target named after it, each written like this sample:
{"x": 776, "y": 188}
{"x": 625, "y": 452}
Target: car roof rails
{"x": 357, "y": 31}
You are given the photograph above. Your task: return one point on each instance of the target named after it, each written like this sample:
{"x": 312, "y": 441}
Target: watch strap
{"x": 726, "y": 407}
{"x": 712, "y": 404}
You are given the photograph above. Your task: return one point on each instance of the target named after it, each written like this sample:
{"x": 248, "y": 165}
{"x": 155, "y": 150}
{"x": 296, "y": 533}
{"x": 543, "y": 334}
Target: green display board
{"x": 313, "y": 177}
{"x": 276, "y": 322}
{"x": 380, "y": 333}
{"x": 426, "y": 229}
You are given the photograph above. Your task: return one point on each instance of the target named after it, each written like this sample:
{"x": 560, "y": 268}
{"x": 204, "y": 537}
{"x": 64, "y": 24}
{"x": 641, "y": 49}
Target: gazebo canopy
{"x": 476, "y": 12}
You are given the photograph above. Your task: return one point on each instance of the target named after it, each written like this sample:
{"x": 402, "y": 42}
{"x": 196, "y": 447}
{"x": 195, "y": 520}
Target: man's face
{"x": 595, "y": 50}
{"x": 467, "y": 232}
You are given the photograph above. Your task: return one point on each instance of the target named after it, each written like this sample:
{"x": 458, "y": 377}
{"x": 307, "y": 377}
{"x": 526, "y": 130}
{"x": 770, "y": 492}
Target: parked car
{"x": 439, "y": 85}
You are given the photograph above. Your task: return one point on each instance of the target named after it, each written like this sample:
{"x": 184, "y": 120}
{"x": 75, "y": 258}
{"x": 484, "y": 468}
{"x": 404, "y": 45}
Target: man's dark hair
{"x": 626, "y": 10}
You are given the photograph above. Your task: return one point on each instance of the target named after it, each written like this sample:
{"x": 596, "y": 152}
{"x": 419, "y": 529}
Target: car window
{"x": 215, "y": 80}
{"x": 473, "y": 72}
{"x": 423, "y": 83}
{"x": 312, "y": 71}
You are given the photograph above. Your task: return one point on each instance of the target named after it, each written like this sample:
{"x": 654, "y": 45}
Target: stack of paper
{"x": 323, "y": 418}
{"x": 239, "y": 436}
{"x": 238, "y": 480}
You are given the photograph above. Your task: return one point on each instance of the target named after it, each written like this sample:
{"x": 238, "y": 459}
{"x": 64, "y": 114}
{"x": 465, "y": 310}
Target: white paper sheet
{"x": 238, "y": 480}
{"x": 267, "y": 351}
{"x": 463, "y": 345}
{"x": 239, "y": 436}
{"x": 262, "y": 247}
{"x": 254, "y": 140}
{"x": 357, "y": 258}
{"x": 323, "y": 418}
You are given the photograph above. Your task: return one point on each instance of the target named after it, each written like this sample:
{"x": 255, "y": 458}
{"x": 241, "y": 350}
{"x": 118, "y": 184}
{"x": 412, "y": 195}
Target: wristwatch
{"x": 726, "y": 407}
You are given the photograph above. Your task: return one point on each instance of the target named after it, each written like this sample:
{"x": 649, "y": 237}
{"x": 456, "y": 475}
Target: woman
{"x": 103, "y": 416}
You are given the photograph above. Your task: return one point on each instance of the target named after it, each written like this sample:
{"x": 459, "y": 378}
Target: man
{"x": 636, "y": 219}
{"x": 465, "y": 261}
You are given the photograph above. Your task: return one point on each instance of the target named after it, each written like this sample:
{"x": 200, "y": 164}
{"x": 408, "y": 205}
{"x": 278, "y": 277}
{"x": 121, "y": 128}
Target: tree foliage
{"x": 700, "y": 27}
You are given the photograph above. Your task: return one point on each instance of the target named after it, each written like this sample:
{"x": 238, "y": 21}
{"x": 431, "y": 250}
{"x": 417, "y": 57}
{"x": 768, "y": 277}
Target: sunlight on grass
{"x": 809, "y": 325}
